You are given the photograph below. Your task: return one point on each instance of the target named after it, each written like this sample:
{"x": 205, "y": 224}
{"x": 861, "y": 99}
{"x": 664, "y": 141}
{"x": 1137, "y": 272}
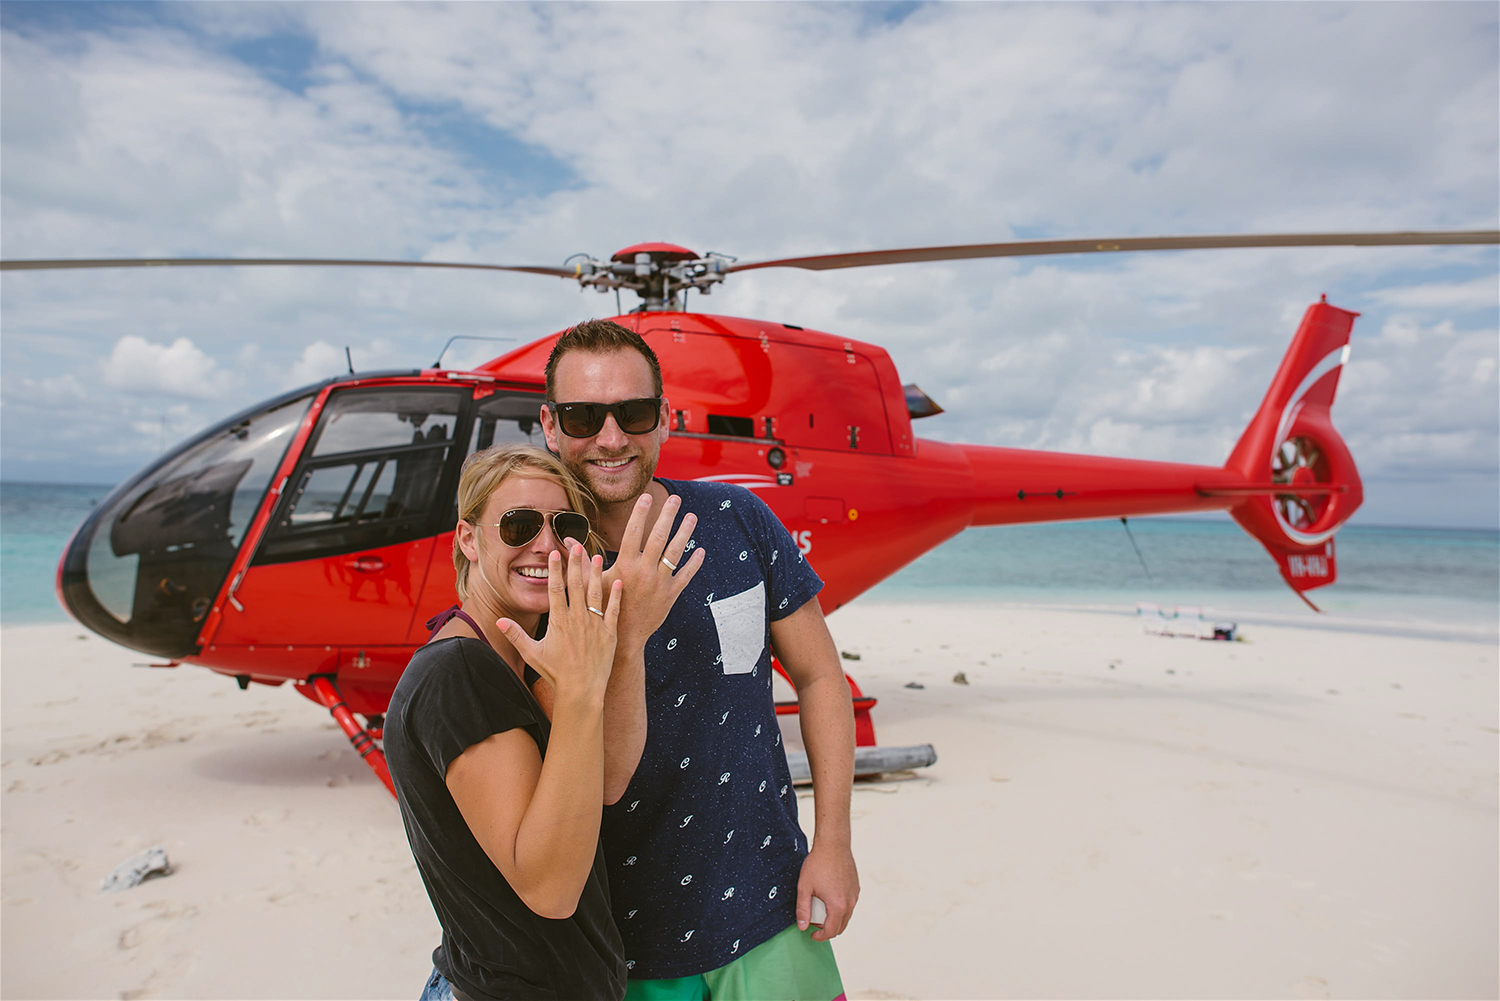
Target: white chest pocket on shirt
{"x": 741, "y": 621}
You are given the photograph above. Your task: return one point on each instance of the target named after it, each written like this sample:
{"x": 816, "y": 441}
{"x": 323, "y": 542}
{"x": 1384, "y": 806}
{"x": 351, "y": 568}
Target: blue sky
{"x": 513, "y": 133}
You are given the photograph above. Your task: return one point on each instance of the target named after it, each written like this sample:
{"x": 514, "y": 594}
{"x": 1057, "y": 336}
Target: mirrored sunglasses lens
{"x": 570, "y": 525}
{"x": 637, "y": 416}
{"x": 519, "y": 527}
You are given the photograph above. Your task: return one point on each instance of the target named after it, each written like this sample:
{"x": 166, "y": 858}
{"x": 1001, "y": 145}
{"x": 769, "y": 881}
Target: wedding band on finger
{"x": 595, "y": 611}
{"x": 669, "y": 564}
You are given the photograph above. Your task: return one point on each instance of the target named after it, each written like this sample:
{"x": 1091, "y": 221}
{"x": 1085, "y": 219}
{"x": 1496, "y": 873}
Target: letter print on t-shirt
{"x": 741, "y": 622}
{"x": 705, "y": 796}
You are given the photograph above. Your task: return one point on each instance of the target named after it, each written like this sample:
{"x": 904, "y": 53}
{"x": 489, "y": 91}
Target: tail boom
{"x": 1016, "y": 486}
{"x": 1290, "y": 480}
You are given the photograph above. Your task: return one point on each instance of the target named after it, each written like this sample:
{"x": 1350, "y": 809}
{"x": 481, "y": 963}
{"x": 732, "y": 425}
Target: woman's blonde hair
{"x": 485, "y": 470}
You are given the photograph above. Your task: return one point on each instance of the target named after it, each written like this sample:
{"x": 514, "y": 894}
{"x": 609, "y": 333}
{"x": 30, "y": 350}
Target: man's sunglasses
{"x": 584, "y": 420}
{"x": 519, "y": 526}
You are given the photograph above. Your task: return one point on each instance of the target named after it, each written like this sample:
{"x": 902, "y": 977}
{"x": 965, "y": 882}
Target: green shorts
{"x": 789, "y": 966}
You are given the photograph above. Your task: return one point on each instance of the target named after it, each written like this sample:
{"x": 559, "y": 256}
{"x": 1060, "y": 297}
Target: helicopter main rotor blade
{"x": 210, "y": 262}
{"x": 1039, "y": 248}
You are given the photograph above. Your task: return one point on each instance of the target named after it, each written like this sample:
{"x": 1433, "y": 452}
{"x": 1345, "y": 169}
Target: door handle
{"x": 365, "y": 564}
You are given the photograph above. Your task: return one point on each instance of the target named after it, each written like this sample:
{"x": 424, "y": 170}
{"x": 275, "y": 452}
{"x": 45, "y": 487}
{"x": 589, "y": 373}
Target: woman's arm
{"x": 536, "y": 819}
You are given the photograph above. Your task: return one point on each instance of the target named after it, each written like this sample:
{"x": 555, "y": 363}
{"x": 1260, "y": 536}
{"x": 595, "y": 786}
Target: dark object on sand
{"x": 915, "y": 684}
{"x": 847, "y": 655}
{"x": 960, "y": 678}
{"x": 137, "y": 869}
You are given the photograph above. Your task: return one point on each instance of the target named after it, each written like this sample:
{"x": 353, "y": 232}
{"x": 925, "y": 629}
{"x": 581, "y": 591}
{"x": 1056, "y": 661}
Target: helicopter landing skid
{"x": 864, "y": 726}
{"x": 326, "y": 693}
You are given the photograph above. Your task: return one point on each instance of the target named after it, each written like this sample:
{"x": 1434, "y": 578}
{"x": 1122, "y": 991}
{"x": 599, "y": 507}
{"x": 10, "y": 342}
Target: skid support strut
{"x": 864, "y": 726}
{"x": 328, "y": 695}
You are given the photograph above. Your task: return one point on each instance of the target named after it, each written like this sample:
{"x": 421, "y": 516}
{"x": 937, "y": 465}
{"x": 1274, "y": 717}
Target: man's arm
{"x": 652, "y": 588}
{"x": 826, "y": 715}
{"x": 624, "y": 721}
{"x": 624, "y": 717}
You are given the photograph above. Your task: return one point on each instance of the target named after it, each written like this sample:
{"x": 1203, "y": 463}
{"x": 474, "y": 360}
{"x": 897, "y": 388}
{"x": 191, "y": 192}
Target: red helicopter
{"x": 308, "y": 538}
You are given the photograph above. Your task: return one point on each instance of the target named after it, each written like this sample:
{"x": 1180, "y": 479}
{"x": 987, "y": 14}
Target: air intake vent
{"x": 918, "y": 403}
{"x": 739, "y": 427}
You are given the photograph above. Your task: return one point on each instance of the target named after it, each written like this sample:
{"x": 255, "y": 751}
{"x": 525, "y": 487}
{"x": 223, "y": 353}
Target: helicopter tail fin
{"x": 1300, "y": 482}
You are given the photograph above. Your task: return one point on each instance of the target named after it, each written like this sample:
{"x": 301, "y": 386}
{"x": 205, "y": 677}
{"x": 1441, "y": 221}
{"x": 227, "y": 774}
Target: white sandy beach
{"x": 1307, "y": 814}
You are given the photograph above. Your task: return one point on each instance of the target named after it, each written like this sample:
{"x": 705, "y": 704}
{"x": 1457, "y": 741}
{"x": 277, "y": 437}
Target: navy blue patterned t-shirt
{"x": 704, "y": 848}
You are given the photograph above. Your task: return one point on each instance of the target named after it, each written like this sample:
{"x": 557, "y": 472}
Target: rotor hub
{"x": 660, "y": 273}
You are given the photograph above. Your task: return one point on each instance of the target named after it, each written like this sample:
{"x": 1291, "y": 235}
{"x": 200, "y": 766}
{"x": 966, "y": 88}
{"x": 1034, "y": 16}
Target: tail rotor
{"x": 1301, "y": 480}
{"x": 1300, "y": 463}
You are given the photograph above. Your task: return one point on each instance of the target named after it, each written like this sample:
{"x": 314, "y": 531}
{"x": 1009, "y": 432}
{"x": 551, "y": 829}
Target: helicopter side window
{"x": 371, "y": 475}
{"x": 507, "y": 419}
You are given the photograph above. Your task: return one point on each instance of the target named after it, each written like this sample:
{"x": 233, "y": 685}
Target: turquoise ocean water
{"x": 1448, "y": 578}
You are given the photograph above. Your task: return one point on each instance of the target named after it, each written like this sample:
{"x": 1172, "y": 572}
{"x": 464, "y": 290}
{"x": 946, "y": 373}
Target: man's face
{"x": 616, "y": 466}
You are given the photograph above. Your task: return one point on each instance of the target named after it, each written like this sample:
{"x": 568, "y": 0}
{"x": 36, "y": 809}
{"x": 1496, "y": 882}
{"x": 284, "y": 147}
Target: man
{"x": 711, "y": 879}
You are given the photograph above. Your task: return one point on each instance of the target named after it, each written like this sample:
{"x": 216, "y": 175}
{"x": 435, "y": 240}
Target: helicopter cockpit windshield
{"x": 144, "y": 568}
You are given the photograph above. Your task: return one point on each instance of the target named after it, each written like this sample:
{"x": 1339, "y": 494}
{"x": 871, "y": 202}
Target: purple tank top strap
{"x": 442, "y": 618}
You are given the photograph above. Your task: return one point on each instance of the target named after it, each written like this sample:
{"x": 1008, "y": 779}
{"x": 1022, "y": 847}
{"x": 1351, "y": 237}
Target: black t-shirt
{"x": 454, "y": 694}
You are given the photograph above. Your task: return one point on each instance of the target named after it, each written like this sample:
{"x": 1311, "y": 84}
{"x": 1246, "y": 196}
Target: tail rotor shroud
{"x": 1292, "y": 440}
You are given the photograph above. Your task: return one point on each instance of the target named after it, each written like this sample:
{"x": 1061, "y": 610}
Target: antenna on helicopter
{"x": 349, "y": 358}
{"x": 1131, "y": 536}
{"x": 464, "y": 337}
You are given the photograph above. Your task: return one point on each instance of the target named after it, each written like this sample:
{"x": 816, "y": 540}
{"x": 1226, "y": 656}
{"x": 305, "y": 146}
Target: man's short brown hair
{"x": 599, "y": 335}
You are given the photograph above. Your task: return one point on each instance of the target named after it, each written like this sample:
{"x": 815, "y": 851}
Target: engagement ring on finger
{"x": 595, "y": 611}
{"x": 670, "y": 565}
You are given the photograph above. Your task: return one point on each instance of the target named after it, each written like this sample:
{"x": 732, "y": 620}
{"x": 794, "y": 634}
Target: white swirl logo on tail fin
{"x": 1334, "y": 359}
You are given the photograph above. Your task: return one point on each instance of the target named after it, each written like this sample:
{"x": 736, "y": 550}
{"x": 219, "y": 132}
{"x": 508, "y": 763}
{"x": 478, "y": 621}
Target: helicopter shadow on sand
{"x": 302, "y": 758}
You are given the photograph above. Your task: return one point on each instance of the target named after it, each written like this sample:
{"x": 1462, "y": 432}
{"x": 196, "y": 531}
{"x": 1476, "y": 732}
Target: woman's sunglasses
{"x": 584, "y": 420}
{"x": 519, "y": 526}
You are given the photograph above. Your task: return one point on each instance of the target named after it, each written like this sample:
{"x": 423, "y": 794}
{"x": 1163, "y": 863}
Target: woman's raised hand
{"x": 576, "y": 654}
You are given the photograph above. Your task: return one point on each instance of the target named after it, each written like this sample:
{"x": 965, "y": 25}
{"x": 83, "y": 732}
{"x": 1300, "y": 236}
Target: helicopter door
{"x": 503, "y": 417}
{"x": 346, "y": 553}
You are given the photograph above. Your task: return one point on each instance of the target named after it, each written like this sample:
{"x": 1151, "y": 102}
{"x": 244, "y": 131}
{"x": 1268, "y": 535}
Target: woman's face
{"x": 517, "y": 578}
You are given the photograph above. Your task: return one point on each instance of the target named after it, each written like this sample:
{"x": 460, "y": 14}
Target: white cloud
{"x": 319, "y": 361}
{"x": 56, "y": 391}
{"x": 1479, "y": 292}
{"x": 520, "y": 134}
{"x": 176, "y": 369}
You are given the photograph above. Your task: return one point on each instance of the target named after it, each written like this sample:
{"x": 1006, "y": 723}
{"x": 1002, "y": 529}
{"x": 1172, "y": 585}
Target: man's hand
{"x": 826, "y": 717}
{"x": 828, "y": 873}
{"x": 651, "y": 583}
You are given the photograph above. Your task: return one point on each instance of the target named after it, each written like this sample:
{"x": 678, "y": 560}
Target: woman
{"x": 502, "y": 805}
